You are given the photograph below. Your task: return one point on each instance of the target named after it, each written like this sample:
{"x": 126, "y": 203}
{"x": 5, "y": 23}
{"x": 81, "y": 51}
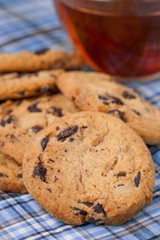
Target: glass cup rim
{"x": 116, "y": 7}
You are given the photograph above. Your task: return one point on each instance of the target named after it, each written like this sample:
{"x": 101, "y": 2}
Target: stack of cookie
{"x": 83, "y": 150}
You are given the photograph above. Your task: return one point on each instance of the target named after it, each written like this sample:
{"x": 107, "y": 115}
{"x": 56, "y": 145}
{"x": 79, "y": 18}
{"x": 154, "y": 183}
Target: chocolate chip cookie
{"x": 21, "y": 85}
{"x": 22, "y": 118}
{"x": 10, "y": 175}
{"x": 96, "y": 92}
{"x": 41, "y": 60}
{"x": 91, "y": 167}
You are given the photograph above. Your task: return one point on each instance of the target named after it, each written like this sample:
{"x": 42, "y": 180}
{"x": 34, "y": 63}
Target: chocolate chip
{"x": 110, "y": 99}
{"x": 120, "y": 185}
{"x": 2, "y": 123}
{"x": 9, "y": 119}
{"x": 18, "y": 102}
{"x": 91, "y": 220}
{"x": 121, "y": 174}
{"x": 84, "y": 127}
{"x": 34, "y": 108}
{"x": 40, "y": 171}
{"x": 71, "y": 139}
{"x": 12, "y": 138}
{"x": 78, "y": 211}
{"x": 3, "y": 175}
{"x": 117, "y": 100}
{"x": 82, "y": 212}
{"x": 41, "y": 51}
{"x": 51, "y": 160}
{"x": 56, "y": 111}
{"x": 102, "y": 97}
{"x": 67, "y": 133}
{"x": 88, "y": 204}
{"x": 36, "y": 128}
{"x": 49, "y": 190}
{"x": 98, "y": 208}
{"x": 137, "y": 179}
{"x": 95, "y": 221}
{"x": 55, "y": 178}
{"x": 136, "y": 112}
{"x": 46, "y": 90}
{"x": 73, "y": 98}
{"x": 120, "y": 114}
{"x": 44, "y": 142}
{"x": 128, "y": 95}
{"x": 19, "y": 175}
{"x": 21, "y": 93}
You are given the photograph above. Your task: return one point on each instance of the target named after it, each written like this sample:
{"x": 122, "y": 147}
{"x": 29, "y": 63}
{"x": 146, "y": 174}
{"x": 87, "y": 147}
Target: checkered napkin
{"x": 33, "y": 25}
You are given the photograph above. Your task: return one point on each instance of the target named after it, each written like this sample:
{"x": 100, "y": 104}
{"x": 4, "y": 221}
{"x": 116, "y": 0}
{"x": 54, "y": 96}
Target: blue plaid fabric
{"x": 33, "y": 25}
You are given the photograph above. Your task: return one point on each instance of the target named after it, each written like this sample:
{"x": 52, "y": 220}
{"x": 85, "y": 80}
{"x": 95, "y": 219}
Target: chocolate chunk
{"x": 120, "y": 185}
{"x": 44, "y": 142}
{"x": 46, "y": 90}
{"x": 121, "y": 174}
{"x": 102, "y": 97}
{"x": 18, "y": 102}
{"x": 117, "y": 100}
{"x": 110, "y": 99}
{"x": 41, "y": 51}
{"x": 19, "y": 175}
{"x": 40, "y": 171}
{"x": 96, "y": 221}
{"x": 136, "y": 112}
{"x": 2, "y": 123}
{"x": 82, "y": 212}
{"x": 88, "y": 204}
{"x": 128, "y": 95}
{"x": 9, "y": 119}
{"x": 21, "y": 93}
{"x": 12, "y": 138}
{"x": 34, "y": 108}
{"x": 51, "y": 160}
{"x": 71, "y": 139}
{"x": 137, "y": 179}
{"x": 116, "y": 112}
{"x": 67, "y": 133}
{"x": 56, "y": 111}
{"x": 49, "y": 190}
{"x": 36, "y": 128}
{"x": 98, "y": 208}
{"x": 84, "y": 127}
{"x": 78, "y": 211}
{"x": 3, "y": 175}
{"x": 91, "y": 220}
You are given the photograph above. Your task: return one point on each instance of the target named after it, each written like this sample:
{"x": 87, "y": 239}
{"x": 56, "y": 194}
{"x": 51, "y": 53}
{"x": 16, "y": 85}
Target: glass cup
{"x": 119, "y": 37}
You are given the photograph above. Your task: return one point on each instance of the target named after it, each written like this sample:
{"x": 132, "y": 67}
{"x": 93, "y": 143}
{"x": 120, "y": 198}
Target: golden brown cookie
{"x": 21, "y": 85}
{"x": 41, "y": 60}
{"x": 10, "y": 175}
{"x": 22, "y": 118}
{"x": 91, "y": 167}
{"x": 96, "y": 92}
